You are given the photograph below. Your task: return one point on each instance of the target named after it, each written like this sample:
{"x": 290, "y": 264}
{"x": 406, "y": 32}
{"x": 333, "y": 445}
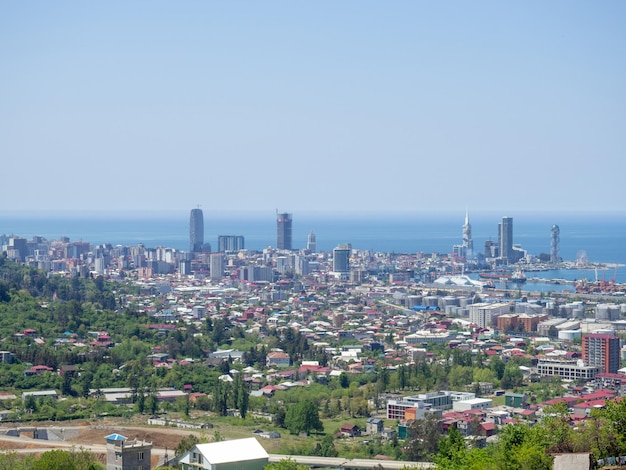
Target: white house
{"x": 240, "y": 454}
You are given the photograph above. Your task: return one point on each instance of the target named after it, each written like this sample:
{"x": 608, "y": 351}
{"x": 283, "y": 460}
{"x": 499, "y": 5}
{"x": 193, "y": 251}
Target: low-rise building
{"x": 240, "y": 454}
{"x": 566, "y": 369}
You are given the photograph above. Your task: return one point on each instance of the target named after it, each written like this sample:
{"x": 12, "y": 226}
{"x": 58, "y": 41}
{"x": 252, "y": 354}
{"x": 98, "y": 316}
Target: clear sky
{"x": 323, "y": 105}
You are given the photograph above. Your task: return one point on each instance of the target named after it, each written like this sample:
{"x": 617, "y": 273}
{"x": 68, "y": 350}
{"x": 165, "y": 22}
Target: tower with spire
{"x": 465, "y": 249}
{"x": 468, "y": 243}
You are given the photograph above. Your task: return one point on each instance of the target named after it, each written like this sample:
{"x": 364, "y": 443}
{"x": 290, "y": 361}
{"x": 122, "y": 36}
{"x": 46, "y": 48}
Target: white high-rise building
{"x": 468, "y": 243}
{"x": 216, "y": 266}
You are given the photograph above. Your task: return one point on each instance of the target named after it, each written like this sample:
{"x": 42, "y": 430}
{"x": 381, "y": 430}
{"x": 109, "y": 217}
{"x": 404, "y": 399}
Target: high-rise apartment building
{"x": 505, "y": 236}
{"x": 196, "y": 230}
{"x": 230, "y": 243}
{"x": 216, "y": 266}
{"x": 601, "y": 350}
{"x": 283, "y": 231}
{"x": 311, "y": 243}
{"x": 341, "y": 259}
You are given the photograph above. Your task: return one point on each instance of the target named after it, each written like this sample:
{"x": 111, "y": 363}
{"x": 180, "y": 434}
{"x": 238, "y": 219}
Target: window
{"x": 139, "y": 456}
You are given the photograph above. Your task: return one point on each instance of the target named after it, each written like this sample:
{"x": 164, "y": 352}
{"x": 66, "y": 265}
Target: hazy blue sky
{"x": 321, "y": 105}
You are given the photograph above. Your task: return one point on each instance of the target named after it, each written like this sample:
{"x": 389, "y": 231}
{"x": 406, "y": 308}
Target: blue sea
{"x": 599, "y": 236}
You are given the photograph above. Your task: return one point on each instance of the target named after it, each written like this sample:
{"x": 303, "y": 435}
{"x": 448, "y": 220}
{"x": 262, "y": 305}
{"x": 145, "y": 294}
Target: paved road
{"x": 350, "y": 463}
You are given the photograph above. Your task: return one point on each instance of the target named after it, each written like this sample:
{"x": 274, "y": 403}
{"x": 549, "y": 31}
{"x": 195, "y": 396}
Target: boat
{"x": 518, "y": 276}
{"x": 495, "y": 276}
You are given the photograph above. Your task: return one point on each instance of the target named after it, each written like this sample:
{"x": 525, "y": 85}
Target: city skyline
{"x": 361, "y": 97}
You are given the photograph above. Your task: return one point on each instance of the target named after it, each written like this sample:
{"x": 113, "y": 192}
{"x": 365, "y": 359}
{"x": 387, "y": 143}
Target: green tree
{"x": 67, "y": 460}
{"x": 285, "y": 464}
{"x": 185, "y": 444}
{"x": 424, "y": 435}
{"x": 327, "y": 447}
{"x": 303, "y": 417}
{"x": 14, "y": 461}
{"x": 452, "y": 452}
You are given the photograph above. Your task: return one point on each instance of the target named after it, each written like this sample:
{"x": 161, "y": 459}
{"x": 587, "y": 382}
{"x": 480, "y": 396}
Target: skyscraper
{"x": 601, "y": 350}
{"x": 554, "y": 244}
{"x": 196, "y": 230}
{"x": 505, "y": 236}
{"x": 216, "y": 266}
{"x": 230, "y": 243}
{"x": 465, "y": 250}
{"x": 468, "y": 243}
{"x": 341, "y": 259}
{"x": 283, "y": 231}
{"x": 311, "y": 243}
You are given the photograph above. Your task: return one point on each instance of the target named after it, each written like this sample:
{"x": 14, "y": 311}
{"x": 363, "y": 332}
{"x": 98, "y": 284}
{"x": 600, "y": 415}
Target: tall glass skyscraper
{"x": 196, "y": 230}
{"x": 311, "y": 243}
{"x": 283, "y": 231}
{"x": 341, "y": 259}
{"x": 506, "y": 239}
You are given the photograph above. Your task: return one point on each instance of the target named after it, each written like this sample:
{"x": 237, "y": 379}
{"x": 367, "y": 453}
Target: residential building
{"x": 374, "y": 426}
{"x": 278, "y": 359}
{"x": 483, "y": 314}
{"x": 230, "y": 243}
{"x": 602, "y": 350}
{"x": 216, "y": 268}
{"x": 124, "y": 454}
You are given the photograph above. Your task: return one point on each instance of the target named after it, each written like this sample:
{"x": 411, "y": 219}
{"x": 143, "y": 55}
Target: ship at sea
{"x": 518, "y": 277}
{"x": 496, "y": 276}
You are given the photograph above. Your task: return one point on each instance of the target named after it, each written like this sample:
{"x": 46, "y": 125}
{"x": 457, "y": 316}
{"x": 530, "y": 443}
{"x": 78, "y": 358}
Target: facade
{"x": 472, "y": 404}
{"x": 465, "y": 250}
{"x": 196, "y": 230}
{"x": 341, "y": 259}
{"x": 374, "y": 426}
{"x": 278, "y": 359}
{"x": 519, "y": 322}
{"x": 566, "y": 369}
{"x": 283, "y": 231}
{"x": 256, "y": 273}
{"x": 515, "y": 400}
{"x": 236, "y": 454}
{"x": 415, "y": 406}
{"x": 230, "y": 243}
{"x": 483, "y": 315}
{"x": 602, "y": 351}
{"x": 123, "y": 454}
{"x": 403, "y": 409}
{"x": 554, "y": 244}
{"x": 216, "y": 266}
{"x": 505, "y": 237}
{"x": 311, "y": 243}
